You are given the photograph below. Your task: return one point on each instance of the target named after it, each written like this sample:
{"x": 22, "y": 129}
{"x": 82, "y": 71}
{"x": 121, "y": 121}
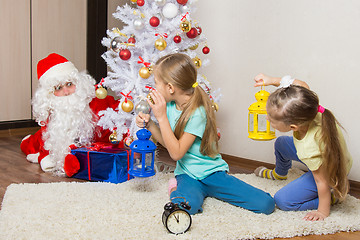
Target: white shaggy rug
{"x": 132, "y": 210}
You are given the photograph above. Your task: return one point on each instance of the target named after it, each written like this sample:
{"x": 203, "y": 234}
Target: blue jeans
{"x": 300, "y": 194}
{"x": 224, "y": 187}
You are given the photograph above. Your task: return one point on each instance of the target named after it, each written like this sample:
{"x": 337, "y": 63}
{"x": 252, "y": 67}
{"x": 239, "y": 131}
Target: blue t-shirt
{"x": 193, "y": 163}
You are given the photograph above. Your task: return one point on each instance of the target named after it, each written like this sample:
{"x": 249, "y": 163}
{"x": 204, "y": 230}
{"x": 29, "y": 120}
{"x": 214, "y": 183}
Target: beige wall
{"x": 316, "y": 41}
{"x": 59, "y": 26}
{"x": 29, "y": 32}
{"x": 15, "y": 60}
{"x": 112, "y": 5}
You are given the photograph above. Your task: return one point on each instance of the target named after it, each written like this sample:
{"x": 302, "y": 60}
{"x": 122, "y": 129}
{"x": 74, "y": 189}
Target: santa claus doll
{"x": 66, "y": 108}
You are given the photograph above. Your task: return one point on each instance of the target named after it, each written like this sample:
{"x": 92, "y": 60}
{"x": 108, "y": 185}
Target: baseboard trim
{"x": 251, "y": 165}
{"x": 18, "y": 124}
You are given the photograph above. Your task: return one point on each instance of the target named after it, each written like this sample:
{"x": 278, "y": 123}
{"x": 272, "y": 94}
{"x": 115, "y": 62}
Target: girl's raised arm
{"x": 265, "y": 80}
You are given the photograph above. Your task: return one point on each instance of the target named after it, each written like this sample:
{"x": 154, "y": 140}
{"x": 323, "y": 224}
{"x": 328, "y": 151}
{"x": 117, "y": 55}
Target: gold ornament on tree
{"x": 215, "y": 106}
{"x": 145, "y": 71}
{"x": 113, "y": 138}
{"x": 194, "y": 47}
{"x": 161, "y": 44}
{"x": 197, "y": 62}
{"x": 185, "y": 26}
{"x": 150, "y": 98}
{"x": 127, "y": 105}
{"x": 100, "y": 92}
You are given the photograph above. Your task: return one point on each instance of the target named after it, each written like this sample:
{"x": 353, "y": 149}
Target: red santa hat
{"x": 54, "y": 66}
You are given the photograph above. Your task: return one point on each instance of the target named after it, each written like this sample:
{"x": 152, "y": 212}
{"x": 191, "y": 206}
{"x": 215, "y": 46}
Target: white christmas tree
{"x": 153, "y": 28}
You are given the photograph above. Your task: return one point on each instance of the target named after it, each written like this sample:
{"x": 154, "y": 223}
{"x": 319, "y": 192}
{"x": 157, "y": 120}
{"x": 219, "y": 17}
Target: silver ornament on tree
{"x": 139, "y": 24}
{"x": 184, "y": 8}
{"x": 142, "y": 106}
{"x": 116, "y": 44}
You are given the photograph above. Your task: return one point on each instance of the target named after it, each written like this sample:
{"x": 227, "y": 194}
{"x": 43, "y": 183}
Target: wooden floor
{"x": 15, "y": 169}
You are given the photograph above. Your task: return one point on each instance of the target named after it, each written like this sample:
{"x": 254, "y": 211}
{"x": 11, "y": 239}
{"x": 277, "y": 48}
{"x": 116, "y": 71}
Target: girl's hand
{"x": 315, "y": 216}
{"x": 143, "y": 120}
{"x": 159, "y": 105}
{"x": 264, "y": 80}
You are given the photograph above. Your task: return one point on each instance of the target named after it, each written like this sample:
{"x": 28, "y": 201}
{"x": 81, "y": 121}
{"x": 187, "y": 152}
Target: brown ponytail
{"x": 334, "y": 159}
{"x": 209, "y": 143}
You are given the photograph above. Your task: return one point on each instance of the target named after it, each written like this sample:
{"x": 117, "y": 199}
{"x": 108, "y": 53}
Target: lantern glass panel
{"x": 137, "y": 161}
{"x": 251, "y": 122}
{"x": 148, "y": 160}
{"x": 262, "y": 123}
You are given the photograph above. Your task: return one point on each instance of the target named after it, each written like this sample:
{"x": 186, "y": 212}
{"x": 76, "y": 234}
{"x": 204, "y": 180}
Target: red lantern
{"x": 125, "y": 54}
{"x": 192, "y": 33}
{"x": 177, "y": 39}
{"x": 140, "y": 3}
{"x": 154, "y": 21}
{"x": 206, "y": 50}
{"x": 182, "y": 2}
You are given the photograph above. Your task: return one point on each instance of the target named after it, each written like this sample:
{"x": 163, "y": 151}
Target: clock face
{"x": 178, "y": 222}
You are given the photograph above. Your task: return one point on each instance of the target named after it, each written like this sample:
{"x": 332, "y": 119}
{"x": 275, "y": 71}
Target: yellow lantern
{"x": 259, "y": 126}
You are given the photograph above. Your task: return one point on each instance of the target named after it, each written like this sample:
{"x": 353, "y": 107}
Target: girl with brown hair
{"x": 317, "y": 142}
{"x": 187, "y": 129}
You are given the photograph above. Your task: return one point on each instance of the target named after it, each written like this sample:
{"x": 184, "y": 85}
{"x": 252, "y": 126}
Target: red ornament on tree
{"x": 192, "y": 33}
{"x": 132, "y": 39}
{"x": 177, "y": 39}
{"x": 206, "y": 50}
{"x": 182, "y": 2}
{"x": 140, "y": 3}
{"x": 199, "y": 30}
{"x": 125, "y": 54}
{"x": 154, "y": 21}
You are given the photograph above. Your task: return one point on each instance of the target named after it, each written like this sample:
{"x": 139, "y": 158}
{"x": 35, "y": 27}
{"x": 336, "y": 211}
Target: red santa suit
{"x": 66, "y": 120}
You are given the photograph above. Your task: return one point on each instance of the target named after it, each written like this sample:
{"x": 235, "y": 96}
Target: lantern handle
{"x": 263, "y": 85}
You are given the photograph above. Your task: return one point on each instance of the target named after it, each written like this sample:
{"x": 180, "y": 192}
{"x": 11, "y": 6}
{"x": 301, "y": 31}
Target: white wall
{"x": 314, "y": 40}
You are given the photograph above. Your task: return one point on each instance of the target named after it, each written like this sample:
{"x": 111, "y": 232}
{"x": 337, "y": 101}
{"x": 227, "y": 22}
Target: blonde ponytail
{"x": 209, "y": 143}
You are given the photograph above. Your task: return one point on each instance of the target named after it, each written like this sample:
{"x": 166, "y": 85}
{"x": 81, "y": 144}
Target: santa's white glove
{"x": 47, "y": 164}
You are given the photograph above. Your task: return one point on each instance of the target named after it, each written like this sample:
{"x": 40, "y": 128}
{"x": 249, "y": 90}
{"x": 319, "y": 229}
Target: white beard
{"x": 71, "y": 121}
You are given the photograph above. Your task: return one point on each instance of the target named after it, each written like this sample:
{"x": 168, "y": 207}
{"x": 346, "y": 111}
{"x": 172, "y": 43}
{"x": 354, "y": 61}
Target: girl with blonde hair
{"x": 187, "y": 129}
